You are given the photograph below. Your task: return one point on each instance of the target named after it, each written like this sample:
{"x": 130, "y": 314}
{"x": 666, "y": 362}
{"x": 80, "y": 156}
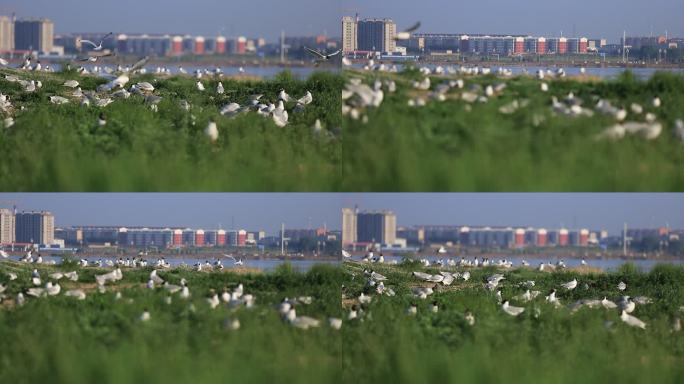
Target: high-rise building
{"x": 7, "y": 226}
{"x": 376, "y": 226}
{"x": 6, "y": 34}
{"x": 35, "y": 227}
{"x": 34, "y": 34}
{"x": 376, "y": 35}
{"x": 348, "y": 226}
{"x": 349, "y": 34}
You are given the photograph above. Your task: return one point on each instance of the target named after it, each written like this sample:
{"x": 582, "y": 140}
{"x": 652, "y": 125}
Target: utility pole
{"x": 282, "y": 46}
{"x": 624, "y": 43}
{"x": 624, "y": 240}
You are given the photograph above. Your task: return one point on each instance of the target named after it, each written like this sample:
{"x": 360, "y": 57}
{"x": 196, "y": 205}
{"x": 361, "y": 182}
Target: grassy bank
{"x": 60, "y": 339}
{"x": 62, "y": 148}
{"x": 544, "y": 344}
{"x": 454, "y": 145}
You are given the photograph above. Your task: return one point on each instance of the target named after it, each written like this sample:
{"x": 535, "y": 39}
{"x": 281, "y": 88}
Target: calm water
{"x": 264, "y": 72}
{"x": 265, "y": 265}
{"x": 606, "y": 73}
{"x": 605, "y": 264}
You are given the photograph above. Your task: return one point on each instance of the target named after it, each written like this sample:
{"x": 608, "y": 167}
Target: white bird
{"x": 353, "y": 313}
{"x": 232, "y": 324}
{"x": 570, "y": 285}
{"x": 73, "y": 276}
{"x": 79, "y": 294}
{"x": 219, "y": 88}
{"x": 511, "y": 310}
{"x": 406, "y": 33}
{"x": 213, "y": 299}
{"x": 627, "y": 304}
{"x": 470, "y": 319}
{"x": 101, "y": 120}
{"x": 335, "y": 323}
{"x": 11, "y": 276}
{"x": 212, "y": 131}
{"x": 3, "y": 254}
{"x": 320, "y": 56}
{"x": 621, "y": 286}
{"x": 96, "y": 47}
{"x": 656, "y": 102}
{"x": 282, "y": 95}
{"x": 608, "y": 304}
{"x": 71, "y": 83}
{"x": 306, "y": 99}
{"x": 145, "y": 315}
{"x": 631, "y": 320}
{"x": 412, "y": 310}
{"x": 200, "y": 86}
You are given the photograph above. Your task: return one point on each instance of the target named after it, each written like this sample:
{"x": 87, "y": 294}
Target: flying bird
{"x": 96, "y": 47}
{"x": 406, "y": 34}
{"x": 320, "y": 56}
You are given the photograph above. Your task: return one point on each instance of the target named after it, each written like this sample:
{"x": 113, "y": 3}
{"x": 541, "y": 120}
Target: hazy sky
{"x": 266, "y": 211}
{"x": 591, "y": 18}
{"x": 206, "y": 17}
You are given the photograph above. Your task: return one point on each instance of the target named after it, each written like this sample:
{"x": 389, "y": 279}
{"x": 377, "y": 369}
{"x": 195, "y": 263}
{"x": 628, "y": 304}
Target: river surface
{"x": 262, "y": 264}
{"x": 607, "y": 264}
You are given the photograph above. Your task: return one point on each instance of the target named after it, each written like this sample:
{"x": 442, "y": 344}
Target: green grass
{"x": 61, "y": 148}
{"x": 58, "y": 339}
{"x": 444, "y": 147}
{"x": 553, "y": 347}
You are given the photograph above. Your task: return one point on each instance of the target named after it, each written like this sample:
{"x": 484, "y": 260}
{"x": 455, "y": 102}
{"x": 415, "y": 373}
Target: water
{"x": 267, "y": 72}
{"x": 605, "y": 264}
{"x": 262, "y": 264}
{"x": 604, "y": 73}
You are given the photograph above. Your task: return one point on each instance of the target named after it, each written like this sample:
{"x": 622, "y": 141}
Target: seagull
{"x": 406, "y": 34}
{"x": 306, "y": 99}
{"x": 101, "y": 120}
{"x": 219, "y": 88}
{"x": 97, "y": 47}
{"x": 470, "y": 319}
{"x": 282, "y": 95}
{"x": 322, "y": 56}
{"x": 583, "y": 262}
{"x": 621, "y": 286}
{"x": 213, "y": 299}
{"x": 353, "y": 314}
{"x": 631, "y": 320}
{"x": 145, "y": 315}
{"x": 345, "y": 254}
{"x": 511, "y": 310}
{"x": 71, "y": 83}
{"x": 301, "y": 322}
{"x": 412, "y": 310}
{"x": 79, "y": 294}
{"x": 335, "y": 323}
{"x": 211, "y": 131}
{"x": 4, "y": 254}
{"x": 200, "y": 86}
{"x": 570, "y": 285}
{"x": 434, "y": 308}
{"x": 608, "y": 304}
{"x": 232, "y": 324}
{"x": 626, "y": 304}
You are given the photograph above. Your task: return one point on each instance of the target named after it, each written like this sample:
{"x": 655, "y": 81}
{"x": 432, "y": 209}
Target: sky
{"x": 265, "y": 211}
{"x": 262, "y": 18}
{"x": 590, "y": 18}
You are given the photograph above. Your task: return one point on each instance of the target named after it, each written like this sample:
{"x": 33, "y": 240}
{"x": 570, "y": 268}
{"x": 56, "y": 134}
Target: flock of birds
{"x": 40, "y": 286}
{"x": 633, "y": 119}
{"x": 431, "y": 283}
{"x": 118, "y": 88}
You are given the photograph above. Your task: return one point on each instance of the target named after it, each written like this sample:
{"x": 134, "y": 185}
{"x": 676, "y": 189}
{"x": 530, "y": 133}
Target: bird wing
{"x": 315, "y": 52}
{"x": 141, "y": 63}
{"x": 107, "y": 36}
{"x": 335, "y": 53}
{"x": 229, "y": 256}
{"x": 413, "y": 27}
{"x": 89, "y": 42}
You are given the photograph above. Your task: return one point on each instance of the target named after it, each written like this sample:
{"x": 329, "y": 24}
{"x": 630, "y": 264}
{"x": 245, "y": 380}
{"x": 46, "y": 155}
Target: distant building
{"x": 35, "y": 227}
{"x": 349, "y": 228}
{"x": 7, "y": 226}
{"x": 33, "y": 35}
{"x": 349, "y": 34}
{"x": 6, "y": 34}
{"x": 376, "y": 35}
{"x": 376, "y": 227}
